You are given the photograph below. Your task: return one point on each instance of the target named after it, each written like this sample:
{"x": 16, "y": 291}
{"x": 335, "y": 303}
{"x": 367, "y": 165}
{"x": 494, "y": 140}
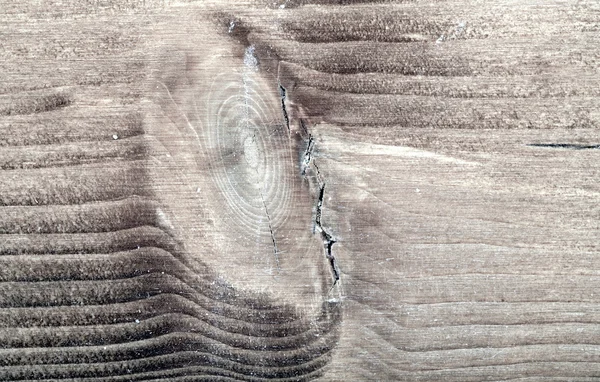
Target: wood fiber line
{"x": 53, "y": 337}
{"x": 153, "y": 336}
{"x": 494, "y": 313}
{"x": 95, "y": 292}
{"x": 160, "y": 363}
{"x": 39, "y": 73}
{"x": 86, "y": 267}
{"x": 205, "y": 326}
{"x": 299, "y": 3}
{"x": 190, "y": 374}
{"x": 161, "y": 343}
{"x": 481, "y": 336}
{"x": 407, "y": 364}
{"x": 74, "y": 184}
{"x": 293, "y": 76}
{"x": 552, "y": 371}
{"x": 349, "y": 57}
{"x": 421, "y": 112}
{"x": 187, "y": 374}
{"x": 145, "y": 308}
{"x": 549, "y": 378}
{"x": 88, "y": 44}
{"x": 514, "y": 288}
{"x": 479, "y": 57}
{"x": 228, "y": 318}
{"x": 72, "y": 336}
{"x": 70, "y": 126}
{"x": 65, "y": 155}
{"x": 494, "y": 52}
{"x": 33, "y": 103}
{"x": 93, "y": 242}
{"x": 410, "y": 21}
{"x": 192, "y": 345}
{"x": 92, "y": 217}
{"x": 541, "y": 370}
{"x": 141, "y": 309}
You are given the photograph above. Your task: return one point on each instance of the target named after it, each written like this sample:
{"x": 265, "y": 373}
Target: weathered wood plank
{"x": 292, "y": 190}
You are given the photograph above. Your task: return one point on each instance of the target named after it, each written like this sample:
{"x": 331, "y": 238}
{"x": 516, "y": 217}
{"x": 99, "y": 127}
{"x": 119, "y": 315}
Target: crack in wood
{"x": 571, "y": 146}
{"x": 307, "y": 154}
{"x": 275, "y": 250}
{"x": 282, "y": 93}
{"x": 328, "y": 239}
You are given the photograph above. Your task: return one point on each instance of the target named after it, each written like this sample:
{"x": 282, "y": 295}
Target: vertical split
{"x": 308, "y": 162}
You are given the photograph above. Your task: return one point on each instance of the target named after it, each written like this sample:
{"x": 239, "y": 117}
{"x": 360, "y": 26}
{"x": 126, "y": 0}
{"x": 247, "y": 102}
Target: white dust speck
{"x": 137, "y": 321}
{"x": 115, "y": 137}
{"x": 231, "y": 26}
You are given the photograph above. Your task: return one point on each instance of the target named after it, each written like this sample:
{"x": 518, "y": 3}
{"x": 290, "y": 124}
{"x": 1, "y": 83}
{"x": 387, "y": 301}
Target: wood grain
{"x": 298, "y": 190}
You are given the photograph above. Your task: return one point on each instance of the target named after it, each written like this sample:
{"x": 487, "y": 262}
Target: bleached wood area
{"x": 297, "y": 190}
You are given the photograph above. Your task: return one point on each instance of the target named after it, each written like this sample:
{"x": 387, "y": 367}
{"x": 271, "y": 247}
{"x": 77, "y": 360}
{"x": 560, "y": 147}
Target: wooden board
{"x": 299, "y": 190}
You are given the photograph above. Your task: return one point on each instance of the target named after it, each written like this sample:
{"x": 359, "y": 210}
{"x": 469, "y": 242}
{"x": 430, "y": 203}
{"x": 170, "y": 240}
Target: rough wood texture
{"x": 343, "y": 190}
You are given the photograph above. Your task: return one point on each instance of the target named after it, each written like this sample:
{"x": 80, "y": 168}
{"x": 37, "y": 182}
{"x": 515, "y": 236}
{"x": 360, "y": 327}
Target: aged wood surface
{"x": 298, "y": 190}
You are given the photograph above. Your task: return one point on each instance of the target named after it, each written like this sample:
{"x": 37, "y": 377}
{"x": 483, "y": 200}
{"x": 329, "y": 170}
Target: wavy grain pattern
{"x": 96, "y": 283}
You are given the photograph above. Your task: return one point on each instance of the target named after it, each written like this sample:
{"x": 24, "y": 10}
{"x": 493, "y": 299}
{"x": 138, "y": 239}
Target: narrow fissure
{"x": 275, "y": 250}
{"x": 572, "y": 146}
{"x": 328, "y": 240}
{"x": 282, "y": 94}
{"x": 308, "y": 161}
{"x": 307, "y": 154}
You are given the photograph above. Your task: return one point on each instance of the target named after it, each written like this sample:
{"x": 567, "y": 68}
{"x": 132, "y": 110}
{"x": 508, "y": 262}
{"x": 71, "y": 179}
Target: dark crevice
{"x": 307, "y": 157}
{"x": 308, "y": 162}
{"x": 328, "y": 240}
{"x": 571, "y": 146}
{"x": 282, "y": 94}
{"x": 289, "y": 4}
{"x": 320, "y": 205}
{"x": 275, "y": 250}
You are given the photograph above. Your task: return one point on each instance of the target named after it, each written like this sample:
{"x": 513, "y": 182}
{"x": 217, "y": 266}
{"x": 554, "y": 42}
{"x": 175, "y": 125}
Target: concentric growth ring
{"x": 247, "y": 146}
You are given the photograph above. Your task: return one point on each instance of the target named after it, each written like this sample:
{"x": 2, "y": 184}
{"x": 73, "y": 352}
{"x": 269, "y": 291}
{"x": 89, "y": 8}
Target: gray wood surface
{"x": 298, "y": 190}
